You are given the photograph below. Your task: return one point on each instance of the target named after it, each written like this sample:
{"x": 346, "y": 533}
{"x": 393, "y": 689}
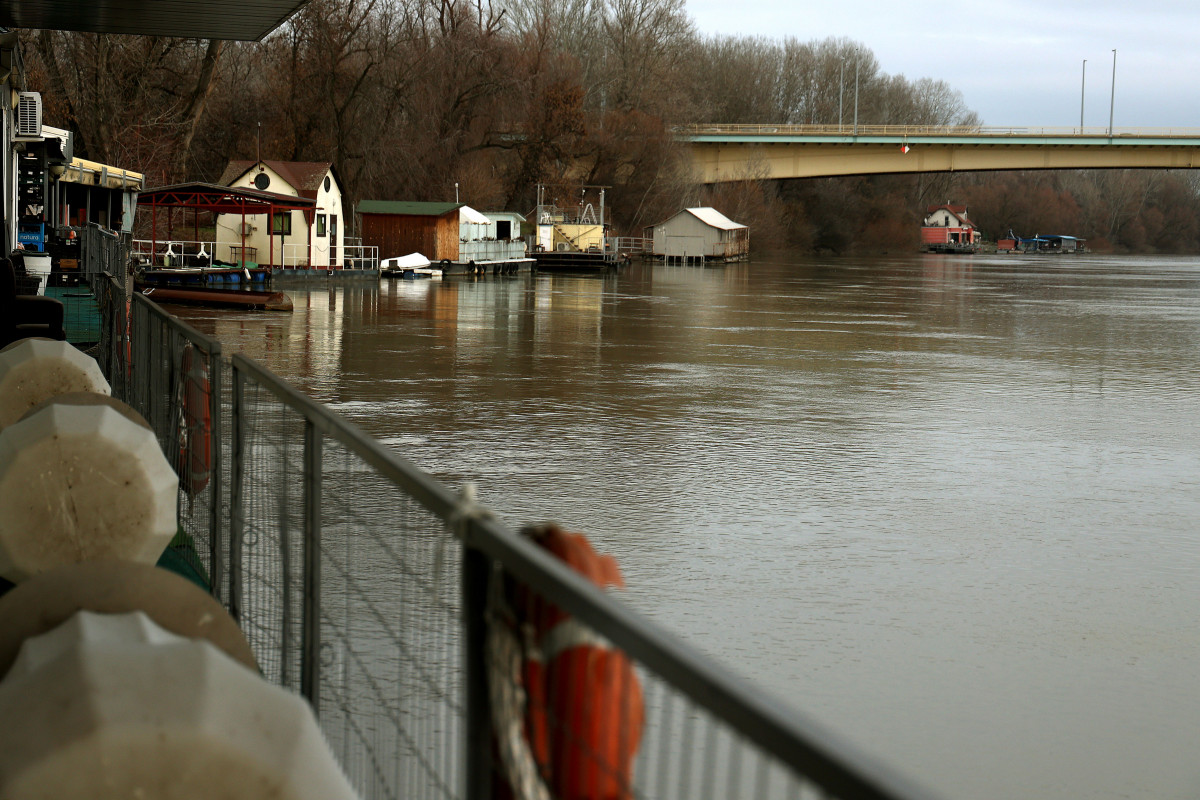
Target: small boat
{"x": 218, "y": 298}
{"x": 201, "y": 276}
{"x": 409, "y": 267}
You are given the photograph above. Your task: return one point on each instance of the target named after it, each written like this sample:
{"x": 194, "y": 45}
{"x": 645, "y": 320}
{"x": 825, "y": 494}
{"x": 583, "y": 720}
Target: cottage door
{"x": 333, "y": 241}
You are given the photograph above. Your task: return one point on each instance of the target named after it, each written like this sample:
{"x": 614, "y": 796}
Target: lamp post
{"x": 841, "y": 91}
{"x": 1082, "y": 85}
{"x": 1112, "y": 98}
{"x": 856, "y": 60}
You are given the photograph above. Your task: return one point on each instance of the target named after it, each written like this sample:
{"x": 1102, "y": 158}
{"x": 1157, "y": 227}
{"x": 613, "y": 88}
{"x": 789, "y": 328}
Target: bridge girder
{"x": 720, "y": 159}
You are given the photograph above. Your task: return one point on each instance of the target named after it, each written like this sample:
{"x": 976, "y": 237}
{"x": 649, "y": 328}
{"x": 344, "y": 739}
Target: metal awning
{"x": 223, "y": 199}
{"x": 247, "y": 20}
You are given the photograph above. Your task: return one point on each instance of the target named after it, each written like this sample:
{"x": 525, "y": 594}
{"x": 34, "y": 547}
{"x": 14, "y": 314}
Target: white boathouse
{"x": 699, "y": 234}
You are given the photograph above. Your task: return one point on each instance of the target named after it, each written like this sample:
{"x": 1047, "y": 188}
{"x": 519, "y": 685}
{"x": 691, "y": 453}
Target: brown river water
{"x": 949, "y": 506}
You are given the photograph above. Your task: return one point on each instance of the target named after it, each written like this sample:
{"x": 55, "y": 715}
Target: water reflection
{"x": 946, "y": 504}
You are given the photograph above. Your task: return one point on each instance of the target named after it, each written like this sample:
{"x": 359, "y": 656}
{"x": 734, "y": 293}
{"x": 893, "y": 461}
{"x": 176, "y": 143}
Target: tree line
{"x": 408, "y": 98}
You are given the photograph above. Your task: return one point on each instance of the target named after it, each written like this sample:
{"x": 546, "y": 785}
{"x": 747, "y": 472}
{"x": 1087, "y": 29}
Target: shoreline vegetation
{"x": 411, "y": 99}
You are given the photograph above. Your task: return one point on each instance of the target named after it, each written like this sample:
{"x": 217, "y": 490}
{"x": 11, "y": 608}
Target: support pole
{"x": 1082, "y": 86}
{"x": 310, "y": 655}
{"x": 856, "y": 61}
{"x": 1112, "y": 98}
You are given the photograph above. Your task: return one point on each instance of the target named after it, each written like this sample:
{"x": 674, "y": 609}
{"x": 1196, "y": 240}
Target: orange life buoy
{"x": 195, "y": 443}
{"x": 583, "y": 710}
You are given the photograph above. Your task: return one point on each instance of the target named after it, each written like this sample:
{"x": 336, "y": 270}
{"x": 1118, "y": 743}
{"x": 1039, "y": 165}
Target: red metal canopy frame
{"x": 224, "y": 200}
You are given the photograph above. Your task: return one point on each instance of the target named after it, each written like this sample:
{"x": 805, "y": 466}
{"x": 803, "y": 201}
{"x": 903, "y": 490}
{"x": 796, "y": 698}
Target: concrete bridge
{"x": 750, "y": 152}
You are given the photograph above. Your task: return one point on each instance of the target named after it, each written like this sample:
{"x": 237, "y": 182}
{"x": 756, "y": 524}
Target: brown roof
{"x": 958, "y": 211}
{"x": 304, "y": 176}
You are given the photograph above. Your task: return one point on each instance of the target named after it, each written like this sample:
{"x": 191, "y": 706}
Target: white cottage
{"x": 294, "y": 239}
{"x": 490, "y": 237}
{"x": 700, "y": 233}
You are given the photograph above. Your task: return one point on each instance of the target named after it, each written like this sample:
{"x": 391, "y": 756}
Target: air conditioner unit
{"x": 29, "y": 114}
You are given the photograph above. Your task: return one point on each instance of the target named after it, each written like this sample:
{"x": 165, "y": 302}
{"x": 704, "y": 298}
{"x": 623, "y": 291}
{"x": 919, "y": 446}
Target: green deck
{"x": 81, "y": 314}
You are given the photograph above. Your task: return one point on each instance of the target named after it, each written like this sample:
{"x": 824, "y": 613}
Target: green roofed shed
{"x": 399, "y": 228}
{"x": 416, "y": 209}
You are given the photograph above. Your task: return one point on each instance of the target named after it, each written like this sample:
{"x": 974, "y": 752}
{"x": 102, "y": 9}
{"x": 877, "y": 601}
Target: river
{"x": 949, "y": 506}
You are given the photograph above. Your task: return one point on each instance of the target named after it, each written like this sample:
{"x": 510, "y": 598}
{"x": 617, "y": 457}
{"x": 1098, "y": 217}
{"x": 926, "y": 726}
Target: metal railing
{"x": 382, "y": 596}
{"x": 172, "y": 374}
{"x": 175, "y": 252}
{"x": 299, "y": 255}
{"x": 687, "y": 131}
{"x": 631, "y": 244}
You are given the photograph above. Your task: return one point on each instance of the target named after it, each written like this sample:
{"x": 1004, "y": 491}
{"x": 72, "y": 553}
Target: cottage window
{"x": 320, "y": 224}
{"x": 281, "y": 223}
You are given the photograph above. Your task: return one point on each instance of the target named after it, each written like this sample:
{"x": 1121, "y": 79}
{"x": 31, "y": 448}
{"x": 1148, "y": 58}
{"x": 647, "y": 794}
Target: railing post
{"x": 237, "y": 514}
{"x": 310, "y": 644}
{"x": 476, "y": 572}
{"x": 216, "y": 550}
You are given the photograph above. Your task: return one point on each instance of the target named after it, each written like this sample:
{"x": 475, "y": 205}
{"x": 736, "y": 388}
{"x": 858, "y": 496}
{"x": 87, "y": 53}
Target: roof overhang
{"x": 91, "y": 173}
{"x": 222, "y": 199}
{"x": 247, "y": 20}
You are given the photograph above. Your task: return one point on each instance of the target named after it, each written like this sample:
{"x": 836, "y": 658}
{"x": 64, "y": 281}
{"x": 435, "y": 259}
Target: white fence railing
{"x": 301, "y": 256}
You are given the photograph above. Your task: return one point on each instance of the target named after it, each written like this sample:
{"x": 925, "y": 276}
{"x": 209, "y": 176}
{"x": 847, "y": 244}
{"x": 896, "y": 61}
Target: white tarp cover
{"x": 468, "y": 214}
{"x": 710, "y": 216}
{"x": 410, "y": 261}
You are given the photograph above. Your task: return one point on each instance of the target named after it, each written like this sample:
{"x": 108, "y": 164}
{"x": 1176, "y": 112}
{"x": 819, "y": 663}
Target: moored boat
{"x": 218, "y": 298}
{"x": 409, "y": 267}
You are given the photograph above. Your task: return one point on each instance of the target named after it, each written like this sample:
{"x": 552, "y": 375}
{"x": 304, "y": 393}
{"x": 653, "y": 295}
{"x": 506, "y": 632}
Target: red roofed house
{"x": 947, "y": 227}
{"x": 297, "y": 239}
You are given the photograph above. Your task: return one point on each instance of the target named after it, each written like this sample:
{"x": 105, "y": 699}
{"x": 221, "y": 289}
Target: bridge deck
{"x": 740, "y": 152}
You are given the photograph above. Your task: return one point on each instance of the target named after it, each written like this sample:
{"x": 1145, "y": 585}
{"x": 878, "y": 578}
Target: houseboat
{"x": 573, "y": 238}
{"x": 1053, "y": 244}
{"x": 946, "y": 229}
{"x": 699, "y": 235}
{"x": 453, "y": 236}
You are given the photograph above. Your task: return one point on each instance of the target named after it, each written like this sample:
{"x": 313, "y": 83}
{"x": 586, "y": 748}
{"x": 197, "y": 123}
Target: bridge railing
{"x": 380, "y": 595}
{"x": 686, "y": 131}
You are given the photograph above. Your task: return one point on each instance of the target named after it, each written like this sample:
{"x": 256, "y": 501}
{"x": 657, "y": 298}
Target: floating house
{"x": 699, "y": 234}
{"x": 445, "y": 233}
{"x": 947, "y": 229}
{"x": 294, "y": 239}
{"x": 1052, "y": 244}
{"x": 574, "y": 236}
{"x": 491, "y": 237}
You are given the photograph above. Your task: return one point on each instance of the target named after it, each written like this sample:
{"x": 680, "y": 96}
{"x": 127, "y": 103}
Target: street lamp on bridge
{"x": 1112, "y": 98}
{"x": 1082, "y": 86}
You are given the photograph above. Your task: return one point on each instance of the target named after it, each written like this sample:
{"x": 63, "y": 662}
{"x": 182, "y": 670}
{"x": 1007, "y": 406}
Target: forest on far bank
{"x": 408, "y": 98}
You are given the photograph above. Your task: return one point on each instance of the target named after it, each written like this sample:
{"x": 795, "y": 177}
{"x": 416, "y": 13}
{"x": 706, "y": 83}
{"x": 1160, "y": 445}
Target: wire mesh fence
{"x": 445, "y": 655}
{"x": 348, "y": 590}
{"x": 172, "y": 374}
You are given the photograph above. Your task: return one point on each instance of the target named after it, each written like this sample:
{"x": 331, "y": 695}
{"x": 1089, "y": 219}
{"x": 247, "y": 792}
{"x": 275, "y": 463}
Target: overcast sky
{"x": 1017, "y": 63}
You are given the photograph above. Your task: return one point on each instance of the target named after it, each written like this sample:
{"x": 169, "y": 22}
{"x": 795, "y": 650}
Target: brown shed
{"x": 400, "y": 228}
